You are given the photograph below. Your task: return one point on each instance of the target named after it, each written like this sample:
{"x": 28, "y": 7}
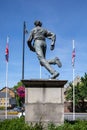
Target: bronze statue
{"x": 38, "y": 36}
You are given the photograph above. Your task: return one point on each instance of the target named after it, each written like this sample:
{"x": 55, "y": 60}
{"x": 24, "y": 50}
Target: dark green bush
{"x": 19, "y": 124}
{"x": 73, "y": 125}
{"x": 13, "y": 124}
{"x": 80, "y": 125}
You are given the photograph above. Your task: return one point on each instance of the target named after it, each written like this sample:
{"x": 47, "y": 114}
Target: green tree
{"x": 80, "y": 94}
{"x": 18, "y": 85}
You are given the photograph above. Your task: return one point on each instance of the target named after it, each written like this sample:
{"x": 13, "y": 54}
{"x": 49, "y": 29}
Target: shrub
{"x": 13, "y": 124}
{"x": 19, "y": 124}
{"x": 80, "y": 125}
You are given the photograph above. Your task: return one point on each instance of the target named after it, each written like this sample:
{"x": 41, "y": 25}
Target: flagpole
{"x": 40, "y": 72}
{"x": 7, "y": 57}
{"x": 6, "y": 89}
{"x": 23, "y": 49}
{"x": 23, "y": 52}
{"x": 73, "y": 86}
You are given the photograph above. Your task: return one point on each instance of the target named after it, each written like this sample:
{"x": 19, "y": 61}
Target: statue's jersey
{"x": 39, "y": 33}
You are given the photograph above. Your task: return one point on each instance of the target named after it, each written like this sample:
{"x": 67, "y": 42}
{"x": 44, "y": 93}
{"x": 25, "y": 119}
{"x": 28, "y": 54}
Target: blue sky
{"x": 66, "y": 18}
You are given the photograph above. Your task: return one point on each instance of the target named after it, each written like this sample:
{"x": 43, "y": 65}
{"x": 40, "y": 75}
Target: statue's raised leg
{"x": 54, "y": 61}
{"x": 49, "y": 68}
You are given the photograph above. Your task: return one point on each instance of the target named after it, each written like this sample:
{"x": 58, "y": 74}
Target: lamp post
{"x": 23, "y": 51}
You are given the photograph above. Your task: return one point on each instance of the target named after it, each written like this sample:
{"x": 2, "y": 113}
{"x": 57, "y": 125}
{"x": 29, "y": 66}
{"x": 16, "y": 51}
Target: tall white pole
{"x": 7, "y": 57}
{"x": 40, "y": 72}
{"x": 6, "y": 90}
{"x": 73, "y": 56}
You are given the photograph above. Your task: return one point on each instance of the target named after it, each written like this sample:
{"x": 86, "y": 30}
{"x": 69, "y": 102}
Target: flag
{"x": 73, "y": 57}
{"x": 7, "y": 51}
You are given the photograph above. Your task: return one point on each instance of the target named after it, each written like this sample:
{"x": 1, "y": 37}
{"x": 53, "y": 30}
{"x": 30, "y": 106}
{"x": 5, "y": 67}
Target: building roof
{"x": 7, "y": 88}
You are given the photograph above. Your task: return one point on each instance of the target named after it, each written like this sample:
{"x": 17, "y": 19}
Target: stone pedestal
{"x": 44, "y": 101}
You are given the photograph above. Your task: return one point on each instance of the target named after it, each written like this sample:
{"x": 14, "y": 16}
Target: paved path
{"x": 67, "y": 116}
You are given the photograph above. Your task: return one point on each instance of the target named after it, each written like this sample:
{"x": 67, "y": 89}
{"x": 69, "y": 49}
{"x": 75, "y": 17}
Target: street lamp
{"x": 23, "y": 51}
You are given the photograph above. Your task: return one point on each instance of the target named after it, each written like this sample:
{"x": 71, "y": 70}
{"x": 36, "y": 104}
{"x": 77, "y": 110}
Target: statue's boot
{"x": 56, "y": 74}
{"x": 49, "y": 68}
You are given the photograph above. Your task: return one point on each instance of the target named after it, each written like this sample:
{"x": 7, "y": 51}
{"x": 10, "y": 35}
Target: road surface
{"x": 67, "y": 116}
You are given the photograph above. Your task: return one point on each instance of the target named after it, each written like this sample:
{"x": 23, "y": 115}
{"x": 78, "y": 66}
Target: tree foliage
{"x": 18, "y": 85}
{"x": 20, "y": 93}
{"x": 80, "y": 94}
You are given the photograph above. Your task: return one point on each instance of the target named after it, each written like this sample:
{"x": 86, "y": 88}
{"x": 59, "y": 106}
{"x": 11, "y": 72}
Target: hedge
{"x": 19, "y": 124}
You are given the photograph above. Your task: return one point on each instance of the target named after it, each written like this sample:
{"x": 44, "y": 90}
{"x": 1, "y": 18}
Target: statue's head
{"x": 38, "y": 23}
